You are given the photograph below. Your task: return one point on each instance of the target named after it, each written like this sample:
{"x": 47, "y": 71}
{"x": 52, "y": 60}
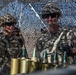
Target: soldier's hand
{"x": 74, "y": 50}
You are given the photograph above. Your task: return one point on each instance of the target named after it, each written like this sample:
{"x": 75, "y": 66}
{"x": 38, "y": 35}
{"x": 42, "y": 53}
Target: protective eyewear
{"x": 52, "y": 15}
{"x": 9, "y": 24}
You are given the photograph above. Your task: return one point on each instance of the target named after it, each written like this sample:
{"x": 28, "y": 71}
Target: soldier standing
{"x": 58, "y": 38}
{"x": 10, "y": 43}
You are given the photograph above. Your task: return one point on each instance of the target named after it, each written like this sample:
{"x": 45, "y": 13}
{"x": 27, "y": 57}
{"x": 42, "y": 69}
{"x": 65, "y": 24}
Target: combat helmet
{"x": 1, "y": 21}
{"x": 7, "y": 18}
{"x": 51, "y": 8}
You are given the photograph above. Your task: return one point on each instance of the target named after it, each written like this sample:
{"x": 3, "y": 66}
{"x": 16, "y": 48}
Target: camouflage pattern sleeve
{"x": 19, "y": 35}
{"x": 71, "y": 41}
{"x": 74, "y": 38}
{"x": 74, "y": 42}
{"x": 4, "y": 65}
{"x": 3, "y": 60}
{"x": 39, "y": 46}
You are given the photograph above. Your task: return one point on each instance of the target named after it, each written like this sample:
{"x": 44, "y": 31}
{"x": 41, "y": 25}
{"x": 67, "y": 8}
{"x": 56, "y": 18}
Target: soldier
{"x": 58, "y": 38}
{"x": 10, "y": 43}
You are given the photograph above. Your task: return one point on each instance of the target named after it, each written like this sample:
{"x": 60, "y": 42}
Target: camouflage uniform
{"x": 9, "y": 47}
{"x": 47, "y": 40}
{"x": 18, "y": 34}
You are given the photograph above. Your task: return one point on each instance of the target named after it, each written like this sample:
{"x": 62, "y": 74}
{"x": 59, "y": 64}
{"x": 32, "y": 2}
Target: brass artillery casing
{"x": 34, "y": 59}
{"x": 24, "y": 65}
{"x": 49, "y": 59}
{"x": 34, "y": 65}
{"x": 15, "y": 62}
{"x": 45, "y": 66}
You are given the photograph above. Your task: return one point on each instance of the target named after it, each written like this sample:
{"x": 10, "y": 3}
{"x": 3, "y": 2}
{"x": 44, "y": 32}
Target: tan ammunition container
{"x": 15, "y": 62}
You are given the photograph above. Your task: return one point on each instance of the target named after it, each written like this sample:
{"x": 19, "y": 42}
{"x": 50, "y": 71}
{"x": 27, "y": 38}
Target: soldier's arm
{"x": 39, "y": 47}
{"x": 2, "y": 56}
{"x": 3, "y": 51}
{"x": 74, "y": 42}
